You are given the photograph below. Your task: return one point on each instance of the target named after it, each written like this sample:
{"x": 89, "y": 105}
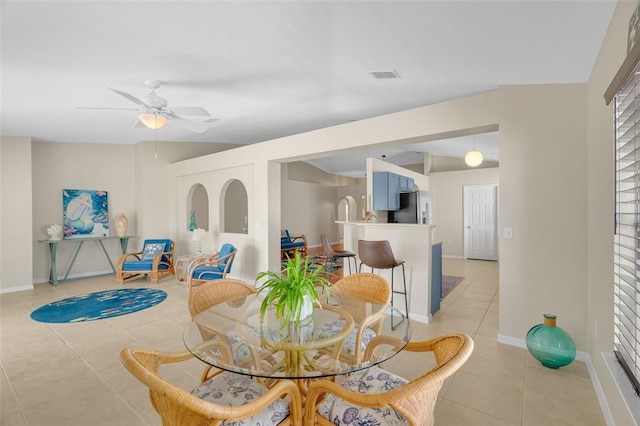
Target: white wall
{"x": 447, "y": 199}
{"x": 216, "y": 183}
{"x": 17, "y": 237}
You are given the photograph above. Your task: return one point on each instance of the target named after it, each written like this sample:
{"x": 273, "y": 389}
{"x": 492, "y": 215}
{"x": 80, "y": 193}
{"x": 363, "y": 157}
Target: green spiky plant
{"x": 286, "y": 289}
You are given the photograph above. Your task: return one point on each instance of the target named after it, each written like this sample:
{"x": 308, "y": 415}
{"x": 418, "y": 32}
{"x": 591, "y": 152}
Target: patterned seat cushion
{"x": 332, "y": 328}
{"x": 372, "y": 380}
{"x": 239, "y": 349}
{"x": 151, "y": 249}
{"x": 232, "y": 390}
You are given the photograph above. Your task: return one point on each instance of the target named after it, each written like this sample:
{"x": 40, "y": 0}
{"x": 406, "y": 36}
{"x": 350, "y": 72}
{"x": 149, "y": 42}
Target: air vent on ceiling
{"x": 384, "y": 74}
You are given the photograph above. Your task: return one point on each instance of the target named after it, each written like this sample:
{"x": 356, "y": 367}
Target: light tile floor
{"x": 70, "y": 374}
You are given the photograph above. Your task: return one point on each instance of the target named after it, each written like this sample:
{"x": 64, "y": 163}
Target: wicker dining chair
{"x": 362, "y": 286}
{"x": 377, "y": 396}
{"x": 225, "y": 398}
{"x": 212, "y": 293}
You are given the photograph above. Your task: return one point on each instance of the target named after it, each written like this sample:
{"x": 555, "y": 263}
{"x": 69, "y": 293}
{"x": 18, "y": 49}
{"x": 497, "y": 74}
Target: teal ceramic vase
{"x": 551, "y": 345}
{"x": 193, "y": 225}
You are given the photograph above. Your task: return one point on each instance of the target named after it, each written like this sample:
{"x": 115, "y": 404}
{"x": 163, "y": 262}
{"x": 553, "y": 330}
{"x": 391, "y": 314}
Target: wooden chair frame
{"x": 416, "y": 399}
{"x": 165, "y": 258}
{"x": 368, "y": 287}
{"x": 289, "y": 252}
{"x": 210, "y": 294}
{"x": 212, "y": 260}
{"x": 177, "y": 407}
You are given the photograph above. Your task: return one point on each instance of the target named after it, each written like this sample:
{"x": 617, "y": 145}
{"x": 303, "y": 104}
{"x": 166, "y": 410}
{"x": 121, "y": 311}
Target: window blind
{"x": 627, "y": 228}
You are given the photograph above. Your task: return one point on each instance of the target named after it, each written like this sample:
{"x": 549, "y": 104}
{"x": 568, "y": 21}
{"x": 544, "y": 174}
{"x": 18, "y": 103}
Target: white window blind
{"x": 627, "y": 228}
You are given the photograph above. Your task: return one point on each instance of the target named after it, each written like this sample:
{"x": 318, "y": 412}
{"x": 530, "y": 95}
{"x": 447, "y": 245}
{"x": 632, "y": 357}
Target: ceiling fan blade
{"x": 190, "y": 111}
{"x": 131, "y": 98}
{"x": 194, "y": 126}
{"x": 113, "y": 109}
{"x": 139, "y": 125}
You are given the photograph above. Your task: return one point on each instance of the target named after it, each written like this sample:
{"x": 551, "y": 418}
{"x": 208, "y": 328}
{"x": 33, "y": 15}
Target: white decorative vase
{"x": 121, "y": 225}
{"x": 307, "y": 307}
{"x": 54, "y": 232}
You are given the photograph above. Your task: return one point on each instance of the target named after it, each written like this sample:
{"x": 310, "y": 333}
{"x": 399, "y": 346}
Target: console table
{"x": 53, "y": 247}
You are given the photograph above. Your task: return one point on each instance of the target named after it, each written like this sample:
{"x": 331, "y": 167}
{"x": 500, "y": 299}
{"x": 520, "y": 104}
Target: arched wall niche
{"x": 198, "y": 203}
{"x": 347, "y": 211}
{"x": 234, "y": 208}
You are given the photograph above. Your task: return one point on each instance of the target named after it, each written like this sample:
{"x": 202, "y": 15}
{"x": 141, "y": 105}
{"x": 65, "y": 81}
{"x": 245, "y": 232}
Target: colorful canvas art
{"x": 85, "y": 213}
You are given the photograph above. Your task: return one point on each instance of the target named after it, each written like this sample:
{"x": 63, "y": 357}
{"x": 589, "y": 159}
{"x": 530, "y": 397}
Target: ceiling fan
{"x": 154, "y": 112}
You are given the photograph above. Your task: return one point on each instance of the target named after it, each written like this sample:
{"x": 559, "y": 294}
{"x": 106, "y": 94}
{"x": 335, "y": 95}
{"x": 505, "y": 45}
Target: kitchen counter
{"x": 410, "y": 242}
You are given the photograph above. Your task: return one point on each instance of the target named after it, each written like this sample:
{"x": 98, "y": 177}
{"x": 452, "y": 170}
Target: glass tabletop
{"x": 345, "y": 335}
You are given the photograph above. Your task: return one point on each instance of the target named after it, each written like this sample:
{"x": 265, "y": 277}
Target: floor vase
{"x": 551, "y": 345}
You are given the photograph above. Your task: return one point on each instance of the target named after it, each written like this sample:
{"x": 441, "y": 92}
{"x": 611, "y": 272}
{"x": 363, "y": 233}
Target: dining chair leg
{"x": 355, "y": 266}
{"x": 330, "y": 271}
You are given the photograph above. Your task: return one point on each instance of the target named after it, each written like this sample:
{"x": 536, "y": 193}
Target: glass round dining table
{"x": 345, "y": 335}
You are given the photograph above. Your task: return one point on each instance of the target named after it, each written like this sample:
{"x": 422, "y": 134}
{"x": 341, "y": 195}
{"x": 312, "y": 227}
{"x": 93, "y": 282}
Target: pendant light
{"x": 473, "y": 158}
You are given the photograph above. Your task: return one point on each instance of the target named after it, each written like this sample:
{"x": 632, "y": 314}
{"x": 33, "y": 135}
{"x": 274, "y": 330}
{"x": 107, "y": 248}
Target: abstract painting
{"x": 85, "y": 213}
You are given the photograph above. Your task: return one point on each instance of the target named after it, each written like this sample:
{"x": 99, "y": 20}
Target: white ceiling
{"x": 267, "y": 69}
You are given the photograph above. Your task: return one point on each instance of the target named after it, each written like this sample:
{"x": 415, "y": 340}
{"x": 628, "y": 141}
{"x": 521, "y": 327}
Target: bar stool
{"x": 333, "y": 254}
{"x": 378, "y": 255}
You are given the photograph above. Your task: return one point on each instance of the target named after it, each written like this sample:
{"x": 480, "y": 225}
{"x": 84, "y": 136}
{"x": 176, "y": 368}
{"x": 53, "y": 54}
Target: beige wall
{"x": 446, "y": 190}
{"x": 17, "y": 237}
{"x": 57, "y": 166}
{"x": 137, "y": 183}
{"x": 308, "y": 208}
{"x": 445, "y": 164}
{"x": 543, "y": 198}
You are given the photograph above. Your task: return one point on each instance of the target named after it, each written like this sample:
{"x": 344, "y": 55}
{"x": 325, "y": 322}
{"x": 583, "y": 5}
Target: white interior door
{"x": 481, "y": 222}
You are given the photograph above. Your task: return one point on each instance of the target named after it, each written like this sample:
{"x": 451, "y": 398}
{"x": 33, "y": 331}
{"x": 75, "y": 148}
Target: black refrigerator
{"x": 408, "y": 212}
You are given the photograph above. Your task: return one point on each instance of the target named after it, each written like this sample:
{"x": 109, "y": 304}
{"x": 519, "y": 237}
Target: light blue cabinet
{"x": 406, "y": 184}
{"x": 386, "y": 191}
{"x": 436, "y": 276}
{"x": 387, "y": 187}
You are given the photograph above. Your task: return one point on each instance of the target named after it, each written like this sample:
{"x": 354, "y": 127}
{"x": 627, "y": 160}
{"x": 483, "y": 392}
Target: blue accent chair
{"x": 213, "y": 267}
{"x": 155, "y": 260}
{"x": 290, "y": 244}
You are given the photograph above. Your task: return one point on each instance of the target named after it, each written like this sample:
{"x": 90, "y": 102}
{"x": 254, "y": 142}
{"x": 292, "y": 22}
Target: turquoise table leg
{"x": 53, "y": 275}
{"x": 73, "y": 260}
{"x": 107, "y": 256}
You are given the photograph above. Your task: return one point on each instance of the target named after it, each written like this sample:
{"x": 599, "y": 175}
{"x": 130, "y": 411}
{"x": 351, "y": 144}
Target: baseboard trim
{"x": 77, "y": 276}
{"x": 16, "y": 288}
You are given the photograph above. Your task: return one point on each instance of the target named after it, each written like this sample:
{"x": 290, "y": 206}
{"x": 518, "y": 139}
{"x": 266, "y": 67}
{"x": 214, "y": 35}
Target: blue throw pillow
{"x": 150, "y": 250}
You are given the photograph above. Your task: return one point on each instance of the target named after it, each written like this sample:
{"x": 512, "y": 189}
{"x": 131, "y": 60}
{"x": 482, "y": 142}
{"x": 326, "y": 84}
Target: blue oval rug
{"x": 100, "y": 305}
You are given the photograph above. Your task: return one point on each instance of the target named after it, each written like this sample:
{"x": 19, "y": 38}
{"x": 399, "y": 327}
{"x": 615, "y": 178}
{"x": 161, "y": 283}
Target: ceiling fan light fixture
{"x": 152, "y": 121}
{"x": 473, "y": 158}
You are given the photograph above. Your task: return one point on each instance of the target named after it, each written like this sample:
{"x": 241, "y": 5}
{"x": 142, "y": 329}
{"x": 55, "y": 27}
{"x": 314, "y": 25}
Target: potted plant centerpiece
{"x": 292, "y": 292}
